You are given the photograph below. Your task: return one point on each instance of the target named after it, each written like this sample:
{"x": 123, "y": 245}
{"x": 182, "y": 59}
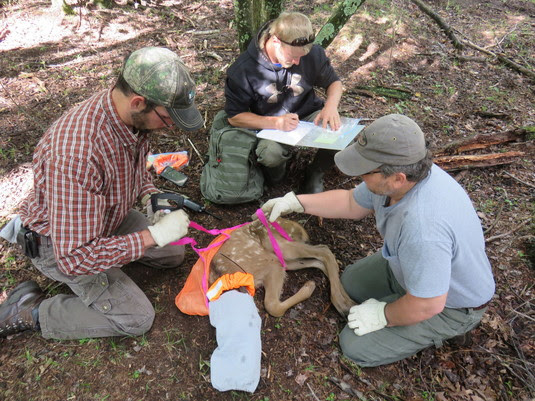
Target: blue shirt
{"x": 433, "y": 241}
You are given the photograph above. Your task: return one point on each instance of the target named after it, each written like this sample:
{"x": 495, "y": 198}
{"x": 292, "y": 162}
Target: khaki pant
{"x": 371, "y": 277}
{"x": 105, "y": 304}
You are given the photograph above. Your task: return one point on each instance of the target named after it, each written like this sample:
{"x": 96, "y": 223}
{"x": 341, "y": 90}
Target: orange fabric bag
{"x": 192, "y": 300}
{"x": 175, "y": 160}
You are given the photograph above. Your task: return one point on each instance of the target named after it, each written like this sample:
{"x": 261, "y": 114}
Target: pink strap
{"x": 192, "y": 242}
{"x": 215, "y": 231}
{"x": 280, "y": 230}
{"x": 261, "y": 216}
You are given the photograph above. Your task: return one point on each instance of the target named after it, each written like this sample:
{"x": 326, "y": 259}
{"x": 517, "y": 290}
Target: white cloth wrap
{"x": 235, "y": 363}
{"x": 11, "y": 229}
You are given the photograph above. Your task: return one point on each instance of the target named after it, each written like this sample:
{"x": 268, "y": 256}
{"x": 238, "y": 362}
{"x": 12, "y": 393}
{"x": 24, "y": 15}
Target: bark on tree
{"x": 249, "y": 15}
{"x": 343, "y": 11}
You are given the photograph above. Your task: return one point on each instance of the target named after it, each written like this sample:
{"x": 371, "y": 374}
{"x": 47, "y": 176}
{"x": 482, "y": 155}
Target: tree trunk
{"x": 342, "y": 13}
{"x": 251, "y": 14}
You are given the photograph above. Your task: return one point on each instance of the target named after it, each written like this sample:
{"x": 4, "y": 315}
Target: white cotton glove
{"x": 170, "y": 228}
{"x": 151, "y": 215}
{"x": 277, "y": 207}
{"x": 367, "y": 317}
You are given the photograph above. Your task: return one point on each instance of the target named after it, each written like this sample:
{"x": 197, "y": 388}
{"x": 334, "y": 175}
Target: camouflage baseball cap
{"x": 159, "y": 75}
{"x": 394, "y": 139}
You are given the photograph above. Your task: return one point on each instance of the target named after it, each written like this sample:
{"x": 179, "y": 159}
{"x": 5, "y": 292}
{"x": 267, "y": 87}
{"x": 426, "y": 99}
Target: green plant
{"x": 174, "y": 338}
{"x": 401, "y": 107}
{"x": 428, "y": 395}
{"x": 204, "y": 365}
{"x": 28, "y": 355}
{"x": 487, "y": 206}
{"x": 10, "y": 281}
{"x": 143, "y": 342}
{"x": 331, "y": 397}
{"x": 357, "y": 371}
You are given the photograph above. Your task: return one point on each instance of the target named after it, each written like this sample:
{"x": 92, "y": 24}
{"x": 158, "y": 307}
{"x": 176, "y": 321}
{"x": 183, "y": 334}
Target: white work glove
{"x": 367, "y": 317}
{"x": 151, "y": 216}
{"x": 277, "y": 207}
{"x": 170, "y": 228}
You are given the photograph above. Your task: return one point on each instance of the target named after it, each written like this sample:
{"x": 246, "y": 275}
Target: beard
{"x": 139, "y": 121}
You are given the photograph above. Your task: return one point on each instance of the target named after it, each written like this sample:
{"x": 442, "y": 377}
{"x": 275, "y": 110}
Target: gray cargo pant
{"x": 371, "y": 277}
{"x": 105, "y": 304}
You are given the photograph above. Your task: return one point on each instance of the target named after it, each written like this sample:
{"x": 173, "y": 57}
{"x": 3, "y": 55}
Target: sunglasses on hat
{"x": 302, "y": 41}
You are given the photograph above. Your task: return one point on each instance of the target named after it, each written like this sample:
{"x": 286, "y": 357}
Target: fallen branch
{"x": 196, "y": 151}
{"x": 527, "y": 381}
{"x": 441, "y": 23}
{"x": 312, "y": 391}
{"x": 450, "y": 163}
{"x": 502, "y": 58}
{"x": 459, "y": 44}
{"x": 214, "y": 55}
{"x": 498, "y": 215}
{"x": 210, "y": 32}
{"x": 373, "y": 91}
{"x": 523, "y": 315}
{"x": 491, "y": 114}
{"x": 482, "y": 141}
{"x": 519, "y": 180}
{"x": 515, "y": 229}
{"x": 346, "y": 388}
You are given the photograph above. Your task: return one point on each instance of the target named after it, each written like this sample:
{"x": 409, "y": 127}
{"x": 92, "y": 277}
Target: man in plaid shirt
{"x": 89, "y": 170}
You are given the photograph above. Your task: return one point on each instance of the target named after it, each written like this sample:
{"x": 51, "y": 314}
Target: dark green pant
{"x": 371, "y": 277}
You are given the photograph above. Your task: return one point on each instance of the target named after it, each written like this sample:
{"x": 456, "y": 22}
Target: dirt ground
{"x": 49, "y": 62}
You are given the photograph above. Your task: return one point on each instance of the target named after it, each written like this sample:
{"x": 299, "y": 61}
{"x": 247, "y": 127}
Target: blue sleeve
{"x": 363, "y": 196}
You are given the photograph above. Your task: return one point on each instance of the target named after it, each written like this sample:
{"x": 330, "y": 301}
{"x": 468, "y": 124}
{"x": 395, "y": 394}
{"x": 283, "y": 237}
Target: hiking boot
{"x": 19, "y": 312}
{"x": 323, "y": 161}
{"x": 275, "y": 175}
{"x": 462, "y": 340}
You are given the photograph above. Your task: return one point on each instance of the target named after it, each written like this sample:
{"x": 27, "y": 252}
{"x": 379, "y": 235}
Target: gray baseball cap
{"x": 159, "y": 75}
{"x": 394, "y": 139}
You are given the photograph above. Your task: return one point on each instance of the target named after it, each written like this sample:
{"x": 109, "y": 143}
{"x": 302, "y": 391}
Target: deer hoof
{"x": 309, "y": 287}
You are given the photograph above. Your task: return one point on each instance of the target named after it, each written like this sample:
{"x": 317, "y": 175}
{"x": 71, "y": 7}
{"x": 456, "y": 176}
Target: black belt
{"x": 482, "y": 306}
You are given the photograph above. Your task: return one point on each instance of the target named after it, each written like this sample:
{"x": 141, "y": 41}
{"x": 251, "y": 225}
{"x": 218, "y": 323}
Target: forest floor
{"x": 49, "y": 62}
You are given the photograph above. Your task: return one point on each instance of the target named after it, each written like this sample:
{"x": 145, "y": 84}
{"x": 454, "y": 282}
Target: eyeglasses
{"x": 163, "y": 120}
{"x": 299, "y": 42}
{"x": 376, "y": 171}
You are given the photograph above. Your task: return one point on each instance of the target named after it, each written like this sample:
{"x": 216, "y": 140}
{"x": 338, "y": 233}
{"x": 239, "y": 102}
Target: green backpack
{"x": 231, "y": 174}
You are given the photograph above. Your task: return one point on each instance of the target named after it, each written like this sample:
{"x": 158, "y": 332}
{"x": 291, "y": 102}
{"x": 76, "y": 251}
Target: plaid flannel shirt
{"x": 89, "y": 170}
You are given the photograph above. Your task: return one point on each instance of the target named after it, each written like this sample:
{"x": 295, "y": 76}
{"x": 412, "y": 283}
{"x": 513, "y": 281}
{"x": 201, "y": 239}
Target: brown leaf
{"x": 300, "y": 379}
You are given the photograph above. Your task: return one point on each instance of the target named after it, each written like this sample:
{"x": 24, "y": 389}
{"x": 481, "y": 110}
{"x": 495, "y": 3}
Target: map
{"x": 308, "y": 134}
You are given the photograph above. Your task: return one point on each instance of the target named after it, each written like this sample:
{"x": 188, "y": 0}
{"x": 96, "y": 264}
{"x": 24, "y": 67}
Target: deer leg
{"x": 295, "y": 251}
{"x": 299, "y": 264}
{"x": 273, "y": 287}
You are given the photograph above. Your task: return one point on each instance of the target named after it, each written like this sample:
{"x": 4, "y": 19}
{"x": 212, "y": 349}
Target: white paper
{"x": 308, "y": 134}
